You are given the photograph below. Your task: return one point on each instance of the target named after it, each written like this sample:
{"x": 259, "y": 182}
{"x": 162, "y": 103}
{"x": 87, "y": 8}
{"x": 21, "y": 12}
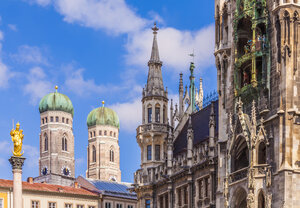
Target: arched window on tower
{"x": 149, "y": 114}
{"x": 262, "y": 153}
{"x": 164, "y": 115}
{"x": 111, "y": 155}
{"x": 64, "y": 143}
{"x": 45, "y": 142}
{"x": 94, "y": 153}
{"x": 157, "y": 113}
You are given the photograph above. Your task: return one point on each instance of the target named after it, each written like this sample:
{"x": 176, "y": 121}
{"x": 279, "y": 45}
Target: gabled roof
{"x": 43, "y": 187}
{"x": 200, "y": 126}
{"x": 108, "y": 188}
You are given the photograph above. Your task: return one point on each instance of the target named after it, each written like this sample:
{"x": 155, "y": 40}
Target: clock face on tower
{"x": 44, "y": 170}
{"x": 66, "y": 171}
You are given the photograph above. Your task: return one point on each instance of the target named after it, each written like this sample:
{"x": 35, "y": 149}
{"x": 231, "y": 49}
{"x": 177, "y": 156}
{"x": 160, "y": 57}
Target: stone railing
{"x": 152, "y": 127}
{"x": 238, "y": 175}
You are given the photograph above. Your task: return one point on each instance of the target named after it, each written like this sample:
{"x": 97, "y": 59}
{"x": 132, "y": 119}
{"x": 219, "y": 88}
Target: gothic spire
{"x": 154, "y": 53}
{"x": 155, "y": 82}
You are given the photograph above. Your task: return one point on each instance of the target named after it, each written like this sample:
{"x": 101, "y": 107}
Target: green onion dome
{"x": 56, "y": 102}
{"x": 103, "y": 116}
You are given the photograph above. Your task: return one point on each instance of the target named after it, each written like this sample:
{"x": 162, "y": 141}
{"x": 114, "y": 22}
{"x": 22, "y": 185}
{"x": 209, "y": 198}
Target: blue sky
{"x": 94, "y": 50}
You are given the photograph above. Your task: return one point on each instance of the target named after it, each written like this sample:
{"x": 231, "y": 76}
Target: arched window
{"x": 149, "y": 114}
{"x": 100, "y": 132}
{"x": 114, "y": 134}
{"x": 94, "y": 153}
{"x": 261, "y": 200}
{"x": 240, "y": 154}
{"x": 46, "y": 142}
{"x": 105, "y": 133}
{"x": 157, "y": 113}
{"x": 225, "y": 25}
{"x": 164, "y": 114}
{"x": 240, "y": 198}
{"x": 111, "y": 155}
{"x": 262, "y": 153}
{"x": 64, "y": 143}
{"x": 110, "y": 133}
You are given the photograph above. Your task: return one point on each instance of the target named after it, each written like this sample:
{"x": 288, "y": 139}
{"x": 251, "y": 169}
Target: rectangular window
{"x": 130, "y": 206}
{"x": 94, "y": 133}
{"x": 46, "y": 120}
{"x": 51, "y": 119}
{"x": 200, "y": 188}
{"x": 149, "y": 115}
{"x": 67, "y": 121}
{"x": 34, "y": 204}
{"x": 157, "y": 152}
{"x": 1, "y": 203}
{"x": 68, "y": 205}
{"x": 166, "y": 201}
{"x": 91, "y": 134}
{"x": 147, "y": 203}
{"x": 91, "y": 206}
{"x": 100, "y": 133}
{"x": 149, "y": 152}
{"x": 52, "y": 205}
{"x": 63, "y": 119}
{"x": 80, "y": 206}
{"x": 56, "y": 118}
{"x": 119, "y": 205}
{"x": 206, "y": 187}
{"x": 107, "y": 205}
{"x": 157, "y": 115}
{"x": 43, "y": 121}
{"x": 185, "y": 195}
{"x": 179, "y": 196}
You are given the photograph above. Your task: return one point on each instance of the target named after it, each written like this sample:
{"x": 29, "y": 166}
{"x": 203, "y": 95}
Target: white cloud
{"x": 130, "y": 114}
{"x": 114, "y": 16}
{"x": 30, "y": 55}
{"x": 40, "y": 2}
{"x": 37, "y": 85}
{"x": 174, "y": 47}
{"x": 12, "y": 27}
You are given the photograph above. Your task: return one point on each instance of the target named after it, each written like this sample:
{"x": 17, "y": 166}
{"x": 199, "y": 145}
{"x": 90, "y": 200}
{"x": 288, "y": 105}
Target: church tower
{"x": 257, "y": 59}
{"x": 56, "y": 163}
{"x": 153, "y": 131}
{"x": 103, "y": 158}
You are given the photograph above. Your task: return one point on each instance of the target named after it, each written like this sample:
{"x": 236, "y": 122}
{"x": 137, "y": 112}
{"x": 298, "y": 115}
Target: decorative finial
{"x": 56, "y": 87}
{"x": 103, "y": 103}
{"x": 17, "y": 138}
{"x": 193, "y": 56}
{"x": 155, "y": 28}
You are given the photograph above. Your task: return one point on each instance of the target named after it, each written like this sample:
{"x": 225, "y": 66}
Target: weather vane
{"x": 192, "y": 55}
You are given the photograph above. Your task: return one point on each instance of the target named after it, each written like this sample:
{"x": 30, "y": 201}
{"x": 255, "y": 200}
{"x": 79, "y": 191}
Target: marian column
{"x": 17, "y": 162}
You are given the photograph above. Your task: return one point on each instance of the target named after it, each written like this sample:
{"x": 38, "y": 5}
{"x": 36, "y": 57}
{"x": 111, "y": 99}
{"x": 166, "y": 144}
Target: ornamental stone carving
{"x": 17, "y": 162}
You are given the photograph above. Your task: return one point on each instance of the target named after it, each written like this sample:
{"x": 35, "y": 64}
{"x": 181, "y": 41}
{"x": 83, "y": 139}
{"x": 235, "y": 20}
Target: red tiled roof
{"x": 48, "y": 188}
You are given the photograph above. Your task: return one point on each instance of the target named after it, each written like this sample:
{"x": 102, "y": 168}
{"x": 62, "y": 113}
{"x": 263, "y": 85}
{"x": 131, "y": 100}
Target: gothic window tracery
{"x": 261, "y": 200}
{"x": 157, "y": 113}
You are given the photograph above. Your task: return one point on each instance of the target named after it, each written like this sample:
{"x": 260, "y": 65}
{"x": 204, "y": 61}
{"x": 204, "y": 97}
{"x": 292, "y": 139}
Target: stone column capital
{"x": 16, "y": 162}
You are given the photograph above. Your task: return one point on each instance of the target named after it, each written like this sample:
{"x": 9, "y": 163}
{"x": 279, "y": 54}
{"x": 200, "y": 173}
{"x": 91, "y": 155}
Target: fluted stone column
{"x": 17, "y": 164}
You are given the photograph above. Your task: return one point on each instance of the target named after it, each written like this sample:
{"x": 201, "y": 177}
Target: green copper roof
{"x": 56, "y": 102}
{"x": 103, "y": 116}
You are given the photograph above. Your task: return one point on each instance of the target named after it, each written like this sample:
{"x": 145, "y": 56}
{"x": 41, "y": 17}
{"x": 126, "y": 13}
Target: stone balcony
{"x": 152, "y": 127}
{"x": 238, "y": 175}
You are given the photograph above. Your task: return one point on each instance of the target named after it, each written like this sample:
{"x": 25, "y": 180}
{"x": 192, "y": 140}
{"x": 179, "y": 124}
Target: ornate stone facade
{"x": 178, "y": 158}
{"x": 257, "y": 56}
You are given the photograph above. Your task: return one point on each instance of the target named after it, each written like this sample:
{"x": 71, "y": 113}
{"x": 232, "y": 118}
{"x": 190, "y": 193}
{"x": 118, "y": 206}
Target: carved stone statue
{"x": 17, "y": 138}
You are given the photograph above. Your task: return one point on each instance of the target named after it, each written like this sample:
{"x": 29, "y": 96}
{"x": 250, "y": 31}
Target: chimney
{"x": 30, "y": 180}
{"x": 76, "y": 184}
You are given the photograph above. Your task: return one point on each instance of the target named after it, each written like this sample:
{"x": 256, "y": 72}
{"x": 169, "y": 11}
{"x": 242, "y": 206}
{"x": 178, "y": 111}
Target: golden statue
{"x": 17, "y": 138}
